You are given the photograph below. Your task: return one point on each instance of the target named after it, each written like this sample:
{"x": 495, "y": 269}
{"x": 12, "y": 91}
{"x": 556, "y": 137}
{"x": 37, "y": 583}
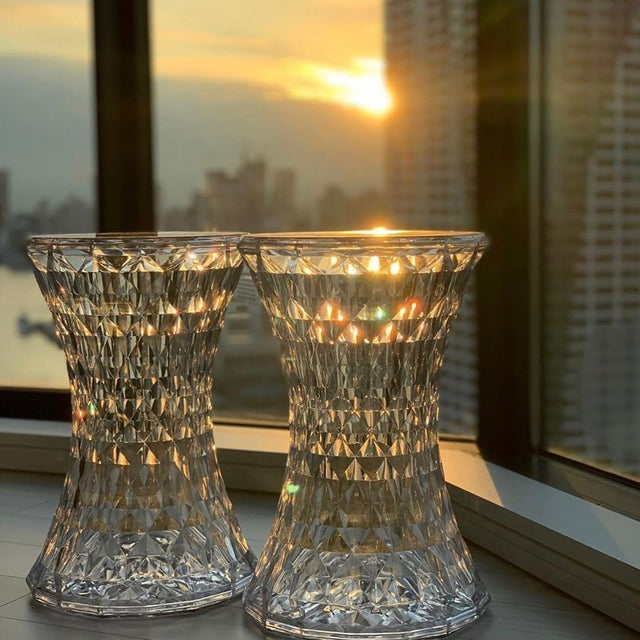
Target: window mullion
{"x": 123, "y": 116}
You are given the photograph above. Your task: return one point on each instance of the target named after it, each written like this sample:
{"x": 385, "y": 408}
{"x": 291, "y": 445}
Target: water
{"x": 31, "y": 360}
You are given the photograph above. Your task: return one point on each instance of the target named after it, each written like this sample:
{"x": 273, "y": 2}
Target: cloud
{"x": 210, "y": 41}
{"x": 303, "y": 50}
{"x": 57, "y": 29}
{"x": 358, "y": 84}
{"x": 46, "y": 129}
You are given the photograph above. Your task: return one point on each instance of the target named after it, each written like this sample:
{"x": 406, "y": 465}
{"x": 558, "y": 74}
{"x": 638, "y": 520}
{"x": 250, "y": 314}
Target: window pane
{"x": 592, "y": 232}
{"x": 46, "y": 169}
{"x": 274, "y": 115}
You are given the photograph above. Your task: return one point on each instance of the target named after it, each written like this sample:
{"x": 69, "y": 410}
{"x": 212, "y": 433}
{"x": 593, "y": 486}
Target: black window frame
{"x": 509, "y": 178}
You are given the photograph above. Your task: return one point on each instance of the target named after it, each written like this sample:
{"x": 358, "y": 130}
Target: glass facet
{"x": 365, "y": 542}
{"x": 144, "y": 525}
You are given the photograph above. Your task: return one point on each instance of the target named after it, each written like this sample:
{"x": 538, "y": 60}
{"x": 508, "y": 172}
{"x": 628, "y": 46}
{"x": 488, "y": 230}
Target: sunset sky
{"x": 299, "y": 81}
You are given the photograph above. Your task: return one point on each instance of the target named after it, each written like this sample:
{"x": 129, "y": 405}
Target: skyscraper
{"x": 238, "y": 201}
{"x": 592, "y": 230}
{"x": 283, "y": 197}
{"x": 431, "y": 153}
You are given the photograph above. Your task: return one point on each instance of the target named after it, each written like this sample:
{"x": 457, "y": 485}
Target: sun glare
{"x": 361, "y": 86}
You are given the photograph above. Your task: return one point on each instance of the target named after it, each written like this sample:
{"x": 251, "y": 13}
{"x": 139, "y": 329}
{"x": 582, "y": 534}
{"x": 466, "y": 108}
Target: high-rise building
{"x": 252, "y": 182}
{"x": 283, "y": 197}
{"x": 239, "y": 201}
{"x": 4, "y": 197}
{"x": 431, "y": 154}
{"x": 592, "y": 230}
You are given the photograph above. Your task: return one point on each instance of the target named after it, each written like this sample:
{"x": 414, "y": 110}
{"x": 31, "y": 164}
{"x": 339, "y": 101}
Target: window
{"x": 517, "y": 118}
{"x": 591, "y": 316}
{"x": 260, "y": 126}
{"x": 46, "y": 169}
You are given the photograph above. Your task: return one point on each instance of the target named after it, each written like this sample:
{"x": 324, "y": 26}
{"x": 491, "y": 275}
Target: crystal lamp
{"x": 144, "y": 525}
{"x": 364, "y": 543}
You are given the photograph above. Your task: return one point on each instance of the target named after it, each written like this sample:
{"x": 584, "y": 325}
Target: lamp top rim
{"x": 469, "y": 240}
{"x": 134, "y": 239}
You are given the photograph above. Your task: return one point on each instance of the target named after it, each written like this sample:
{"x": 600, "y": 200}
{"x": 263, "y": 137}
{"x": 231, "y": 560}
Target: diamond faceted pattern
{"x": 365, "y": 542}
{"x": 144, "y": 524}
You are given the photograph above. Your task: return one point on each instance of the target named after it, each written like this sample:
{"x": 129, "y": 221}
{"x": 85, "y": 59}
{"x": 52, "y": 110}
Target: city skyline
{"x": 279, "y": 197}
{"x": 226, "y": 84}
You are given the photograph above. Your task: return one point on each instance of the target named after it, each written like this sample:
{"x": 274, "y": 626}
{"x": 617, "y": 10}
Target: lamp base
{"x": 366, "y": 596}
{"x": 109, "y": 600}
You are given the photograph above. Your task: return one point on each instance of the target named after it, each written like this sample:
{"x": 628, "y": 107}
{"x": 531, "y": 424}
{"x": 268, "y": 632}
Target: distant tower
{"x": 283, "y": 197}
{"x": 430, "y": 154}
{"x": 4, "y": 197}
{"x": 252, "y": 195}
{"x": 220, "y": 188}
{"x": 333, "y": 208}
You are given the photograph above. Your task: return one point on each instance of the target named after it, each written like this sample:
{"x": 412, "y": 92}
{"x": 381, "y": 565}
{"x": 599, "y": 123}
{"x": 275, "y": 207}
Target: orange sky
{"x": 320, "y": 50}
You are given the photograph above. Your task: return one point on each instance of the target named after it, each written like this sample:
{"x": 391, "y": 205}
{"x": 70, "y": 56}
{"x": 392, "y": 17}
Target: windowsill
{"x": 584, "y": 549}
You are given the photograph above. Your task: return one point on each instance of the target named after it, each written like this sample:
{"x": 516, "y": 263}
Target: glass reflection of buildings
{"x": 248, "y": 375}
{"x": 592, "y": 230}
{"x": 72, "y": 215}
{"x": 431, "y": 154}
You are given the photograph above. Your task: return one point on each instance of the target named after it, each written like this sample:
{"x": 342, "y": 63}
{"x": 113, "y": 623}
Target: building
{"x": 430, "y": 154}
{"x": 283, "y": 198}
{"x": 592, "y": 225}
{"x": 239, "y": 201}
{"x": 200, "y": 215}
{"x": 333, "y": 208}
{"x": 248, "y": 371}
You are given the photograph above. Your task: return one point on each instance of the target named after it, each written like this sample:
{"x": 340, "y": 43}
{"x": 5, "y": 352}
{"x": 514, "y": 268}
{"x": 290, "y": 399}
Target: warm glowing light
{"x": 394, "y": 269}
{"x": 354, "y": 333}
{"x": 351, "y": 270}
{"x": 374, "y": 264}
{"x": 177, "y": 326}
{"x": 361, "y": 85}
{"x": 380, "y": 231}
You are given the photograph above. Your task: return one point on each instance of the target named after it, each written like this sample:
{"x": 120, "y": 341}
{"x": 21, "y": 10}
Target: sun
{"x": 361, "y": 86}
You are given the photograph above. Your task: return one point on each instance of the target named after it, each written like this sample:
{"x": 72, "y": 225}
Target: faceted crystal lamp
{"x": 365, "y": 543}
{"x": 144, "y": 525}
